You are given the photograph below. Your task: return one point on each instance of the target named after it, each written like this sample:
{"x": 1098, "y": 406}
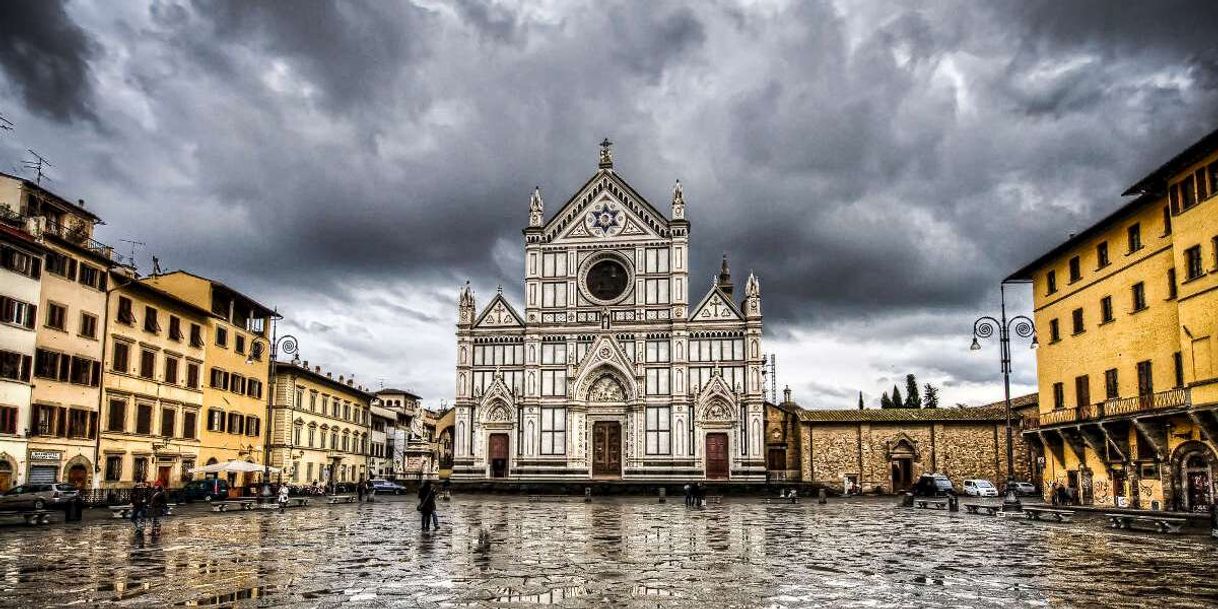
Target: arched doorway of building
{"x": 901, "y": 461}
{"x": 1193, "y": 465}
{"x": 77, "y": 473}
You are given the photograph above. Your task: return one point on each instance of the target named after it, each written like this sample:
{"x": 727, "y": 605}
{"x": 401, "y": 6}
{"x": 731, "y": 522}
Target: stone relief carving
{"x": 606, "y": 389}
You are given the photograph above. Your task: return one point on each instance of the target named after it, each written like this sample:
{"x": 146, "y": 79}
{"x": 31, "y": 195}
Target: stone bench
{"x": 34, "y": 517}
{"x": 1033, "y": 513}
{"x": 791, "y": 499}
{"x": 1161, "y": 524}
{"x": 980, "y": 508}
{"x": 122, "y": 512}
{"x": 930, "y": 504}
{"x": 239, "y": 504}
{"x": 333, "y": 499}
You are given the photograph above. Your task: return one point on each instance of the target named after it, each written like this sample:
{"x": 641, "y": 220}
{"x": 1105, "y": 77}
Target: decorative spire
{"x": 678, "y": 202}
{"x": 536, "y": 207}
{"x": 606, "y": 154}
{"x": 465, "y": 305}
{"x": 725, "y": 277}
{"x": 467, "y": 296}
{"x": 752, "y": 297}
{"x": 752, "y": 288}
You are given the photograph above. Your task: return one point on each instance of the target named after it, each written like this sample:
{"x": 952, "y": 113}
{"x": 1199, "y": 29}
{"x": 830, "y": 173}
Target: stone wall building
{"x": 885, "y": 450}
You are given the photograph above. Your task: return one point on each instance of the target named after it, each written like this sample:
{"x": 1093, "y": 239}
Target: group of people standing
{"x": 1061, "y": 494}
{"x": 148, "y": 502}
{"x": 695, "y": 495}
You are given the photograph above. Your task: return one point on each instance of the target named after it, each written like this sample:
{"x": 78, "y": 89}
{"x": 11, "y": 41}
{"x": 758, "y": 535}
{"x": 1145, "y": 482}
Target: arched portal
{"x": 1193, "y": 465}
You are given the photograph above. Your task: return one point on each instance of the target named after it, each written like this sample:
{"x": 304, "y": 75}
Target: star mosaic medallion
{"x": 606, "y": 220}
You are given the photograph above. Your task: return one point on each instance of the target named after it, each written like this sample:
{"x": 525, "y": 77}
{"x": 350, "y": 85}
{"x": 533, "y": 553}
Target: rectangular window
{"x": 81, "y": 423}
{"x": 1134, "y": 237}
{"x": 1076, "y": 318}
{"x": 553, "y": 353}
{"x": 1146, "y": 380}
{"x": 1139, "y": 296}
{"x": 143, "y": 419}
{"x": 125, "y": 313}
{"x": 50, "y": 365}
{"x": 20, "y": 262}
{"x": 120, "y": 356}
{"x": 1171, "y": 284}
{"x": 253, "y": 426}
{"x": 1202, "y": 184}
{"x": 61, "y": 265}
{"x": 1106, "y": 309}
{"x": 92, "y": 277}
{"x": 171, "y": 370}
{"x": 554, "y": 264}
{"x": 1111, "y": 389}
{"x": 140, "y": 469}
{"x": 1166, "y": 221}
{"x": 85, "y": 371}
{"x": 1059, "y": 396}
{"x": 659, "y": 430}
{"x": 15, "y": 366}
{"x": 114, "y": 468}
{"x": 1101, "y": 255}
{"x": 236, "y": 383}
{"x": 19, "y": 312}
{"x": 1051, "y": 282}
{"x": 656, "y": 291}
{"x": 175, "y": 328}
{"x": 553, "y": 431}
{"x": 1192, "y": 262}
{"x": 192, "y": 375}
{"x": 553, "y": 382}
{"x": 57, "y": 316}
{"x": 8, "y": 420}
{"x": 253, "y": 388}
{"x": 219, "y": 379}
{"x": 1076, "y": 269}
{"x": 1178, "y": 361}
{"x": 88, "y": 325}
{"x": 658, "y": 381}
{"x": 150, "y": 321}
{"x": 1082, "y": 390}
{"x": 215, "y": 420}
{"x": 196, "y": 336}
{"x": 168, "y": 420}
{"x": 240, "y": 344}
{"x": 190, "y": 425}
{"x": 1188, "y": 196}
{"x": 657, "y": 351}
{"x": 116, "y": 418}
{"x": 1214, "y": 245}
{"x": 147, "y": 363}
{"x": 236, "y": 423}
{"x": 655, "y": 261}
{"x": 554, "y": 294}
{"x": 221, "y": 336}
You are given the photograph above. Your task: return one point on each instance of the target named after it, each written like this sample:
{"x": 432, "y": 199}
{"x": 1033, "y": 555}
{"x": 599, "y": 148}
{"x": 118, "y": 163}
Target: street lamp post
{"x": 287, "y": 344}
{"x": 1022, "y": 326}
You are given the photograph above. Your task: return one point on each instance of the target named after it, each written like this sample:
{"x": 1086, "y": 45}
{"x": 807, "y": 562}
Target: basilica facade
{"x": 608, "y": 371}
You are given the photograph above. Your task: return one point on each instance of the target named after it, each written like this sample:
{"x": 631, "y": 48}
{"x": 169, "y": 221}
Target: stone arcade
{"x": 610, "y": 373}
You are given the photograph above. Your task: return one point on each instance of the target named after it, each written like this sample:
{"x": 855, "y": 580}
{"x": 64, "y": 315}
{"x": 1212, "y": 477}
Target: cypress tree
{"x": 885, "y": 401}
{"x": 860, "y": 400}
{"x": 912, "y": 399}
{"x": 897, "y": 402}
{"x": 930, "y": 397}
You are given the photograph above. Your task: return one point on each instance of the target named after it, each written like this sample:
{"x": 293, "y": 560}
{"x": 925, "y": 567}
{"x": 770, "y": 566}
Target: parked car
{"x": 1025, "y": 489}
{"x": 205, "y": 490}
{"x": 38, "y": 496}
{"x": 385, "y": 487}
{"x": 980, "y": 488}
{"x": 933, "y": 485}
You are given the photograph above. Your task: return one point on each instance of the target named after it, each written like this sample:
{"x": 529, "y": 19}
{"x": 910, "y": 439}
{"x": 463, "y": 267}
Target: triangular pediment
{"x": 605, "y": 355}
{"x": 716, "y": 306}
{"x": 499, "y": 314}
{"x": 604, "y": 208}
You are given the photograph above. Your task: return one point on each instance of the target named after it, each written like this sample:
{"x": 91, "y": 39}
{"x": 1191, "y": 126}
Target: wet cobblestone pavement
{"x": 506, "y": 552}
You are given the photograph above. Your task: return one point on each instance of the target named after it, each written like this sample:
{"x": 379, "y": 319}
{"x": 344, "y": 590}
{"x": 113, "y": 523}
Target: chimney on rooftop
{"x": 80, "y": 202}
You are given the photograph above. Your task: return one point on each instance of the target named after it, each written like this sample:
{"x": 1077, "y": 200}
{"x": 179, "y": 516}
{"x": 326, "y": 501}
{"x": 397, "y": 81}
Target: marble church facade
{"x": 608, "y": 371}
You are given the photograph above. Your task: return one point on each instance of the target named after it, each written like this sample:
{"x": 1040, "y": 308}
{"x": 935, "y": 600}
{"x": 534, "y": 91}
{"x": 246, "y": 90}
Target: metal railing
{"x": 1171, "y": 399}
{"x": 79, "y": 235}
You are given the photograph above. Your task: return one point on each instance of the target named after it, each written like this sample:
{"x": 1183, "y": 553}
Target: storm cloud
{"x": 354, "y": 163}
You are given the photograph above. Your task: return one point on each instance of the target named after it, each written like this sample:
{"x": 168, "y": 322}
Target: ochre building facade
{"x": 1127, "y": 317}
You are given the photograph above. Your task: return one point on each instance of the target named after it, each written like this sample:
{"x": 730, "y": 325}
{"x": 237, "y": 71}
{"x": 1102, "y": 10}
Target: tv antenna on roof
{"x": 133, "y": 244}
{"x": 37, "y": 164}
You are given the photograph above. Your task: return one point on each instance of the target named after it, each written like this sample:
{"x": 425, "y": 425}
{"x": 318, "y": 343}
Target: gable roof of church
{"x": 507, "y": 305}
{"x": 716, "y": 290}
{"x": 631, "y": 197}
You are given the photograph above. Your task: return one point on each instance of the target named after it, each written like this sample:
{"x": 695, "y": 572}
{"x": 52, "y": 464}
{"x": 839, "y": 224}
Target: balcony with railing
{"x": 1173, "y": 399}
{"x": 78, "y": 235}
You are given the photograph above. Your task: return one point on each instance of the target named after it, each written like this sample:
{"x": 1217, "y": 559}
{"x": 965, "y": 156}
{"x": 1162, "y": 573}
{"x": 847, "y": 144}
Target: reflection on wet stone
{"x": 505, "y": 552}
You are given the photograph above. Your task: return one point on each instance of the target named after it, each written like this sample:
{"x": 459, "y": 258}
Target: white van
{"x": 980, "y": 488}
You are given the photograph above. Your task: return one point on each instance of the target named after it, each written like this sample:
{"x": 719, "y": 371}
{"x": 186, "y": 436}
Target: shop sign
{"x": 45, "y": 455}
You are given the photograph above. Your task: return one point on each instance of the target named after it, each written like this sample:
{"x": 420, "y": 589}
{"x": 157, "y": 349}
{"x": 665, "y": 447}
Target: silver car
{"x": 37, "y": 496}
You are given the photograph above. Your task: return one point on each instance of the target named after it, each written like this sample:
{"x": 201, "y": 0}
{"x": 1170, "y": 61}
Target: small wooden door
{"x": 716, "y": 456}
{"x": 607, "y": 449}
{"x": 499, "y": 455}
{"x": 78, "y": 476}
{"x": 162, "y": 475}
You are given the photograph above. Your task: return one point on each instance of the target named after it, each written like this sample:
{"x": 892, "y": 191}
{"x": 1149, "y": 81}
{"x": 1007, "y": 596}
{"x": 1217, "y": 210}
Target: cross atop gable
{"x": 499, "y": 314}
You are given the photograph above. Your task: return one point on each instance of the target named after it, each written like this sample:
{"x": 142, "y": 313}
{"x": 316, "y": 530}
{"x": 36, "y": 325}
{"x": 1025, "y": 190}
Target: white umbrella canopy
{"x": 232, "y": 466}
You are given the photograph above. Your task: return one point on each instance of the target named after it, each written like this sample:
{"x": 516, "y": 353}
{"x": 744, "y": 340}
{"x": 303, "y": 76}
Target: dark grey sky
{"x": 352, "y": 163}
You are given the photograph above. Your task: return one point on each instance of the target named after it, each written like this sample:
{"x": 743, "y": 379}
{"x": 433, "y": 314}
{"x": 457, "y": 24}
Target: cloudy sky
{"x": 353, "y": 163}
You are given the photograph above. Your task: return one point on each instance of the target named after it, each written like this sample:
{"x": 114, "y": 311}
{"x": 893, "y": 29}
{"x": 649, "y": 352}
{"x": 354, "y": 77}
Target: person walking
{"x": 370, "y": 490}
{"x": 283, "y": 496}
{"x": 688, "y": 495}
{"x": 158, "y": 504}
{"x": 427, "y": 504}
{"x": 359, "y": 491}
{"x": 139, "y": 506}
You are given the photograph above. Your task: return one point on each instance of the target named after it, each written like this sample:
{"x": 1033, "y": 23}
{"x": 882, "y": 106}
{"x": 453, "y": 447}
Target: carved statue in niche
{"x": 606, "y": 389}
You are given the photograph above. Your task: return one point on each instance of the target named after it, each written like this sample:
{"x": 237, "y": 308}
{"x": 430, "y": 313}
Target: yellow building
{"x": 152, "y": 385}
{"x": 237, "y": 369}
{"x": 66, "y": 391}
{"x": 1126, "y": 314}
{"x": 320, "y": 426}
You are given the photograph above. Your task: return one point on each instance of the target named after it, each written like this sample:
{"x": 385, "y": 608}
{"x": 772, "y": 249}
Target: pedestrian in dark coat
{"x": 139, "y": 506}
{"x": 427, "y": 503}
{"x": 359, "y": 490}
{"x": 158, "y": 504}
